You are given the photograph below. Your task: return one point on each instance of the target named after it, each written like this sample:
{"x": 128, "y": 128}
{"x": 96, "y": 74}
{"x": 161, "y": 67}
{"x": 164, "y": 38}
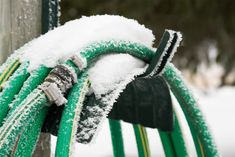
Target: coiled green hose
{"x": 36, "y": 101}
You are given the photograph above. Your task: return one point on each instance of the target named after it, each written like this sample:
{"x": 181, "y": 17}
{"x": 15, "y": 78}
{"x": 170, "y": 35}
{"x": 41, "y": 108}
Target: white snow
{"x": 109, "y": 71}
{"x": 63, "y": 41}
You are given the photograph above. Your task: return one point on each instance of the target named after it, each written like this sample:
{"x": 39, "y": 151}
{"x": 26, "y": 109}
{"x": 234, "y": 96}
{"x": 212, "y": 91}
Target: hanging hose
{"x": 36, "y": 78}
{"x": 117, "y": 139}
{"x": 199, "y": 129}
{"x": 167, "y": 144}
{"x": 8, "y": 64}
{"x": 141, "y": 141}
{"x": 178, "y": 140}
{"x": 11, "y": 88}
{"x": 16, "y": 84}
{"x": 28, "y": 138}
{"x": 8, "y": 72}
{"x": 20, "y": 118}
{"x": 36, "y": 101}
{"x": 31, "y": 132}
{"x": 70, "y": 117}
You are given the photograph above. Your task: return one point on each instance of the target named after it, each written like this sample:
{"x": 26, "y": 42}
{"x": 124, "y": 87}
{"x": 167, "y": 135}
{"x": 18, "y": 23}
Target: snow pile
{"x": 109, "y": 71}
{"x": 74, "y": 35}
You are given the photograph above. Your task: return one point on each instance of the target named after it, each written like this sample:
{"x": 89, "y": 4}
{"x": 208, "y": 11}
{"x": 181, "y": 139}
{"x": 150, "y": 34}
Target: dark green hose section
{"x": 197, "y": 123}
{"x": 167, "y": 144}
{"x": 9, "y": 61}
{"x": 30, "y": 135}
{"x": 36, "y": 78}
{"x": 12, "y": 88}
{"x": 178, "y": 140}
{"x": 106, "y": 47}
{"x": 70, "y": 117}
{"x": 98, "y": 50}
{"x": 117, "y": 138}
{"x": 19, "y": 119}
{"x": 173, "y": 142}
{"x": 141, "y": 141}
{"x": 10, "y": 69}
{"x": 32, "y": 131}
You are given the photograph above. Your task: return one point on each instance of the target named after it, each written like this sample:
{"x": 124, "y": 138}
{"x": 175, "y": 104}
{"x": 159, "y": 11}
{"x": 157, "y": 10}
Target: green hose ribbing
{"x": 30, "y": 84}
{"x": 12, "y": 88}
{"x": 178, "y": 140}
{"x": 10, "y": 69}
{"x": 29, "y": 136}
{"x": 117, "y": 139}
{"x": 11, "y": 59}
{"x": 95, "y": 54}
{"x": 193, "y": 115}
{"x": 32, "y": 131}
{"x": 20, "y": 118}
{"x": 35, "y": 79}
{"x": 137, "y": 50}
{"x": 196, "y": 122}
{"x": 141, "y": 141}
{"x": 167, "y": 144}
{"x": 173, "y": 142}
{"x": 70, "y": 117}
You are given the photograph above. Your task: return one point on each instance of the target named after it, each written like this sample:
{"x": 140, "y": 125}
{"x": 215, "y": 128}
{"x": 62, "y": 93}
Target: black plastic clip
{"x": 165, "y": 51}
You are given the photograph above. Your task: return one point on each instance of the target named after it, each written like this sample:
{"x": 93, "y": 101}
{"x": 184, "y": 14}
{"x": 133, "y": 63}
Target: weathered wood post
{"x": 20, "y": 22}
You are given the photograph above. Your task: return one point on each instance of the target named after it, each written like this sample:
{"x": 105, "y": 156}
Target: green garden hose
{"x": 28, "y": 138}
{"x": 199, "y": 129}
{"x": 32, "y": 131}
{"x": 117, "y": 139}
{"x": 167, "y": 144}
{"x": 70, "y": 117}
{"x": 8, "y": 64}
{"x": 11, "y": 88}
{"x": 20, "y": 118}
{"x": 178, "y": 140}
{"x": 36, "y": 100}
{"x": 8, "y": 72}
{"x": 141, "y": 141}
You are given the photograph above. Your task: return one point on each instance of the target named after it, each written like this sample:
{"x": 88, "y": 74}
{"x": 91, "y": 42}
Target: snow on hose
{"x": 34, "y": 86}
{"x": 37, "y": 99}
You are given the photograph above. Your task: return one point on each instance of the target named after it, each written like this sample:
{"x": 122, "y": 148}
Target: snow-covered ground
{"x": 218, "y": 107}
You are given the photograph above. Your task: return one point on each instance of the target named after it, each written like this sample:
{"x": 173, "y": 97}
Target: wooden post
{"x": 20, "y": 22}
